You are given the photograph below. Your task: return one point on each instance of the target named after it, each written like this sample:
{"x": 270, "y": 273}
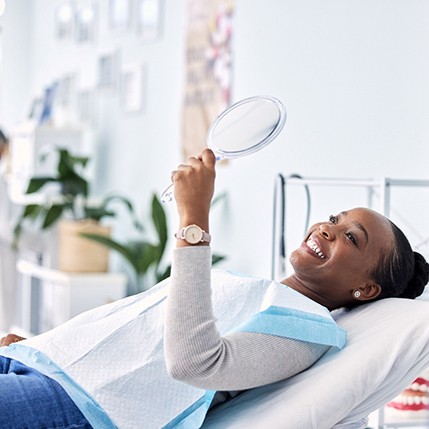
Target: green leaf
{"x": 128, "y": 205}
{"x": 79, "y": 160}
{"x": 32, "y": 211}
{"x": 160, "y": 221}
{"x": 17, "y": 231}
{"x": 52, "y": 215}
{"x": 68, "y": 163}
{"x": 217, "y": 258}
{"x": 114, "y": 245}
{"x": 163, "y": 274}
{"x": 97, "y": 213}
{"x": 75, "y": 185}
{"x": 149, "y": 255}
{"x": 38, "y": 182}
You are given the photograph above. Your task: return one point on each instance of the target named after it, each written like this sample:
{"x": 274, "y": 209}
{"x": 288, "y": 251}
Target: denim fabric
{"x": 30, "y": 400}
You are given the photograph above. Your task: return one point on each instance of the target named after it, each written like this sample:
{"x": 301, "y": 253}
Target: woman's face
{"x": 336, "y": 257}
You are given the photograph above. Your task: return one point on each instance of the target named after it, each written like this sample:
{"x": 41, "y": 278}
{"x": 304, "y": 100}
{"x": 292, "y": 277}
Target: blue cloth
{"x": 31, "y": 400}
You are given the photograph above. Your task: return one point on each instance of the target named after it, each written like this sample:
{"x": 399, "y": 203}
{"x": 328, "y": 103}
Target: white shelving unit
{"x": 63, "y": 295}
{"x": 382, "y": 188}
{"x": 49, "y": 297}
{"x": 28, "y": 142}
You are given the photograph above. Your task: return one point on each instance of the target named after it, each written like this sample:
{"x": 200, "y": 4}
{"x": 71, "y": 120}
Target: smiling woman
{"x": 338, "y": 263}
{"x": 221, "y": 334}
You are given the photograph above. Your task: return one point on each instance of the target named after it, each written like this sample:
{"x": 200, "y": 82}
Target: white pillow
{"x": 387, "y": 348}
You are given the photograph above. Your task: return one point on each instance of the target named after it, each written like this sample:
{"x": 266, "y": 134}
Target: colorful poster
{"x": 208, "y": 69}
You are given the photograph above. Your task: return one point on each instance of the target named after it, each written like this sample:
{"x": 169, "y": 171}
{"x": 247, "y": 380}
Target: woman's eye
{"x": 352, "y": 238}
{"x": 333, "y": 219}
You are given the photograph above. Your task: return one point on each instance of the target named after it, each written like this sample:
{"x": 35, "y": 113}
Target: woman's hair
{"x": 401, "y": 273}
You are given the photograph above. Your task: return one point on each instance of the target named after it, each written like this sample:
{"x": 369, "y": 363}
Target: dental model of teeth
{"x": 412, "y": 403}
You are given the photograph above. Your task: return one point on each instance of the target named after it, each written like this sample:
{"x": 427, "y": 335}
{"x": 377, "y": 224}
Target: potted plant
{"x": 146, "y": 256}
{"x": 74, "y": 212}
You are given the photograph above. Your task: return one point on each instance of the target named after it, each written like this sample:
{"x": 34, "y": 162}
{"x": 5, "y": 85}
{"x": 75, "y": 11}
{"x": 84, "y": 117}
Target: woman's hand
{"x": 10, "y": 339}
{"x": 194, "y": 188}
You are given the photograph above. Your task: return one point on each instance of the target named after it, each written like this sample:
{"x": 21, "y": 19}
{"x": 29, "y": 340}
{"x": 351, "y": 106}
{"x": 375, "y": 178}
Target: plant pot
{"x": 78, "y": 254}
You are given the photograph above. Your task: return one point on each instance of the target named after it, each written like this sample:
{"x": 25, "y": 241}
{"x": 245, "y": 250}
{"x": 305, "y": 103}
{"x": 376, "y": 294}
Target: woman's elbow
{"x": 177, "y": 370}
{"x": 189, "y": 372}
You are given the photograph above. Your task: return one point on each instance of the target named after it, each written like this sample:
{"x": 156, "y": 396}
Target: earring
{"x": 356, "y": 294}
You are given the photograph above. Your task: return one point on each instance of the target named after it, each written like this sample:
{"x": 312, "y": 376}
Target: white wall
{"x": 353, "y": 75}
{"x": 16, "y": 25}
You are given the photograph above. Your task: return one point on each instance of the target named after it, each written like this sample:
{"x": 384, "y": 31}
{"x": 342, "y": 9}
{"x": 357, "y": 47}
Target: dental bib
{"x": 110, "y": 359}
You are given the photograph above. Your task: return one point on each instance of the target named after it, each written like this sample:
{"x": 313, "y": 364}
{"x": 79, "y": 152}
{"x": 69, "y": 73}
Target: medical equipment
{"x": 244, "y": 128}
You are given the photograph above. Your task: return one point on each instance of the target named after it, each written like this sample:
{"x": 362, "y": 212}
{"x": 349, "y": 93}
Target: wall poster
{"x": 208, "y": 69}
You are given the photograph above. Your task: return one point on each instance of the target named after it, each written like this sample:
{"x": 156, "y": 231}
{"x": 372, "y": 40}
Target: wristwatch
{"x": 193, "y": 234}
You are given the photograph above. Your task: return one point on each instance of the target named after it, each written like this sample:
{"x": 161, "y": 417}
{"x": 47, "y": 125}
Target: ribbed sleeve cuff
{"x": 191, "y": 262}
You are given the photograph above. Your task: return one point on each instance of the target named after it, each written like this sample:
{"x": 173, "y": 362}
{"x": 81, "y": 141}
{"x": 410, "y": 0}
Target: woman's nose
{"x": 326, "y": 231}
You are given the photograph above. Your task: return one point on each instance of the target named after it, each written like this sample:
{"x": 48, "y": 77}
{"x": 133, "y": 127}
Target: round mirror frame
{"x": 270, "y": 137}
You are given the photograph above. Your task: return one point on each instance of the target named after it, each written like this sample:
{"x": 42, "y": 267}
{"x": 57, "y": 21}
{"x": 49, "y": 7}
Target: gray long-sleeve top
{"x": 197, "y": 354}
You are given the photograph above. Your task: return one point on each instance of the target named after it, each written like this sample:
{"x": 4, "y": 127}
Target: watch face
{"x": 193, "y": 234}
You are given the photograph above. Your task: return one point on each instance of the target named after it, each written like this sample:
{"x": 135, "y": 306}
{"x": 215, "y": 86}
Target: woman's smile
{"x": 315, "y": 247}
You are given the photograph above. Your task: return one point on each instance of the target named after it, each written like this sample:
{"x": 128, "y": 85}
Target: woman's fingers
{"x": 10, "y": 339}
{"x": 208, "y": 157}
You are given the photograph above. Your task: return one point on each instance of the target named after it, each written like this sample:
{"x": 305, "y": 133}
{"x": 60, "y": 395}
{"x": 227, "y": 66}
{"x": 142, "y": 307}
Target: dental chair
{"x": 388, "y": 347}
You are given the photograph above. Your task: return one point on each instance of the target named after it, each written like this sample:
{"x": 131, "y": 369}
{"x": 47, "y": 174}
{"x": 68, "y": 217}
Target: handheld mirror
{"x": 245, "y": 127}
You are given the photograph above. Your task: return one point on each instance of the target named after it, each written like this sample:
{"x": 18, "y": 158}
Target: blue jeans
{"x": 30, "y": 400}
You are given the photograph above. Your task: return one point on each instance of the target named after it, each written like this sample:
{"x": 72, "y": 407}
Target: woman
{"x": 353, "y": 258}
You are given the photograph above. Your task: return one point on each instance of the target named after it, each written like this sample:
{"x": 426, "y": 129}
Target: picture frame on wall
{"x": 64, "y": 17}
{"x": 133, "y": 84}
{"x": 108, "y": 69}
{"x": 86, "y": 99}
{"x": 120, "y": 14}
{"x": 67, "y": 90}
{"x": 149, "y": 19}
{"x": 86, "y": 20}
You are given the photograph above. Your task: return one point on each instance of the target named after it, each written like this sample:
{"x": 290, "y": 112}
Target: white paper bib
{"x": 110, "y": 360}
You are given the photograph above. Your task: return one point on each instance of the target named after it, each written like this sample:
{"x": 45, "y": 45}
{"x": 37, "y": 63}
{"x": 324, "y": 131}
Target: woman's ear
{"x": 370, "y": 291}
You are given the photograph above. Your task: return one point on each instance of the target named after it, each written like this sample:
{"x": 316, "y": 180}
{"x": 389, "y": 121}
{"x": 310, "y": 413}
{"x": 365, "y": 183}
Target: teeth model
{"x": 412, "y": 403}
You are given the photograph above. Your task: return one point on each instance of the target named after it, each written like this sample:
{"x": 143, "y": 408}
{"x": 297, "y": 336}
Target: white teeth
{"x": 316, "y": 248}
{"x": 417, "y": 387}
{"x": 411, "y": 400}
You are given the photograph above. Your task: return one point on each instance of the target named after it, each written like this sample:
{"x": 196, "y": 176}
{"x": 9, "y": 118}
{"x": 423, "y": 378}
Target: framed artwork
{"x": 149, "y": 19}
{"x": 108, "y": 71}
{"x": 67, "y": 90}
{"x": 86, "y": 23}
{"x": 120, "y": 14}
{"x": 64, "y": 15}
{"x": 86, "y": 106}
{"x": 133, "y": 80}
